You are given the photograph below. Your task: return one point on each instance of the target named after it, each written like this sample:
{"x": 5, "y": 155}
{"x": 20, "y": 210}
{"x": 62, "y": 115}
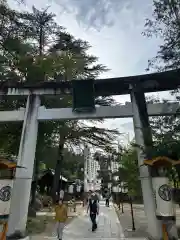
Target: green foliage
{"x": 166, "y": 134}
{"x": 129, "y": 172}
{"x": 73, "y": 163}
{"x": 42, "y": 166}
{"x": 166, "y": 138}
{"x": 165, "y": 25}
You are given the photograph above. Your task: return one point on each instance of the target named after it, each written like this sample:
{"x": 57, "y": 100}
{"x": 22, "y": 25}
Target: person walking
{"x": 108, "y": 195}
{"x": 93, "y": 209}
{"x": 61, "y": 215}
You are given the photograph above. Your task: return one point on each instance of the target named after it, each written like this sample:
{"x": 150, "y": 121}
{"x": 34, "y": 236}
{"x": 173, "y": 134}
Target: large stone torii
{"x": 33, "y": 113}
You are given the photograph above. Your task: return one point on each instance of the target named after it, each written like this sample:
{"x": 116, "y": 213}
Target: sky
{"x": 114, "y": 30}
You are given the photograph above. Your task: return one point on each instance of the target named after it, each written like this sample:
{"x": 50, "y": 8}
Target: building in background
{"x": 92, "y": 174}
{"x": 97, "y": 181}
{"x": 114, "y": 166}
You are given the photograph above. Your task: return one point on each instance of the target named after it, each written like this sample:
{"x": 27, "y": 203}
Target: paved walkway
{"x": 109, "y": 227}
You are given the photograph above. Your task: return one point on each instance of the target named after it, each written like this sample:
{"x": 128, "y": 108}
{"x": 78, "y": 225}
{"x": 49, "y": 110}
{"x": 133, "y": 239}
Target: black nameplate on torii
{"x": 83, "y": 95}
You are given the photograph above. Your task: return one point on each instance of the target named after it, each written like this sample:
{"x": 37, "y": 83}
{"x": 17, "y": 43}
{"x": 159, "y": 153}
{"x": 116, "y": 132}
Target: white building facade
{"x": 92, "y": 174}
{"x": 114, "y": 166}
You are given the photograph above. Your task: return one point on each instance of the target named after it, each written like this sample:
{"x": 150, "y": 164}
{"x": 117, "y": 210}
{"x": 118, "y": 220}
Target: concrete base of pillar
{"x": 19, "y": 206}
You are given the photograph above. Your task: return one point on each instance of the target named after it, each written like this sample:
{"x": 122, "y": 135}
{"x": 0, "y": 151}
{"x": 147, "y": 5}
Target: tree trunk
{"x": 58, "y": 168}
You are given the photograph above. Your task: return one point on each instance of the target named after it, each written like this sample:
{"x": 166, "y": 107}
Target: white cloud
{"x": 104, "y": 13}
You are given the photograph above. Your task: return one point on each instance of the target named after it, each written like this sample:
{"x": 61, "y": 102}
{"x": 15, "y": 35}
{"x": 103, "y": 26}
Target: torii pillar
{"x": 144, "y": 146}
{"x": 23, "y": 178}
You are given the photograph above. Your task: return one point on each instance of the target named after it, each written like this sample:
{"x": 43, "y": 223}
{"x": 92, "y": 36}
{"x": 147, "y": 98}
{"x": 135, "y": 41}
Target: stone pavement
{"x": 109, "y": 227}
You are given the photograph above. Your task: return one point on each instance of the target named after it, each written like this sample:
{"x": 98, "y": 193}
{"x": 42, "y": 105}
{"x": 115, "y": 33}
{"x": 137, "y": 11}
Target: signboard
{"x": 83, "y": 95}
{"x": 5, "y": 195}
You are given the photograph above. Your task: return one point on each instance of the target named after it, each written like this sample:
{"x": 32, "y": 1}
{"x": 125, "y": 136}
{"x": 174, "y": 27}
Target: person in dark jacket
{"x": 93, "y": 209}
{"x": 107, "y": 198}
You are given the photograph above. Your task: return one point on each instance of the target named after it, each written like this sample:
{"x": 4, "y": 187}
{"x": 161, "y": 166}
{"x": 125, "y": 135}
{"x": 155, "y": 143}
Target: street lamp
{"x": 132, "y": 212}
{"x": 121, "y": 191}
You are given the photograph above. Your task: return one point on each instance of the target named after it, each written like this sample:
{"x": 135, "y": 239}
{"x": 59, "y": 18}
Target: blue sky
{"x": 113, "y": 28}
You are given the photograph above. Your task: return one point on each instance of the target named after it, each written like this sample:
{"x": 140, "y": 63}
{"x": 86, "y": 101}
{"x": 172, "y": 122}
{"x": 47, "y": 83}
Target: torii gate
{"x": 33, "y": 113}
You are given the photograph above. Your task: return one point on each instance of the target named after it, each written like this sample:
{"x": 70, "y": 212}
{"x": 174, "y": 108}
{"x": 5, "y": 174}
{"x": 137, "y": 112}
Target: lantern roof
{"x": 161, "y": 161}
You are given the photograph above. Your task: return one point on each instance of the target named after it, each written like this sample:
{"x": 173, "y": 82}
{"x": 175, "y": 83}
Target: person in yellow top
{"x": 61, "y": 215}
